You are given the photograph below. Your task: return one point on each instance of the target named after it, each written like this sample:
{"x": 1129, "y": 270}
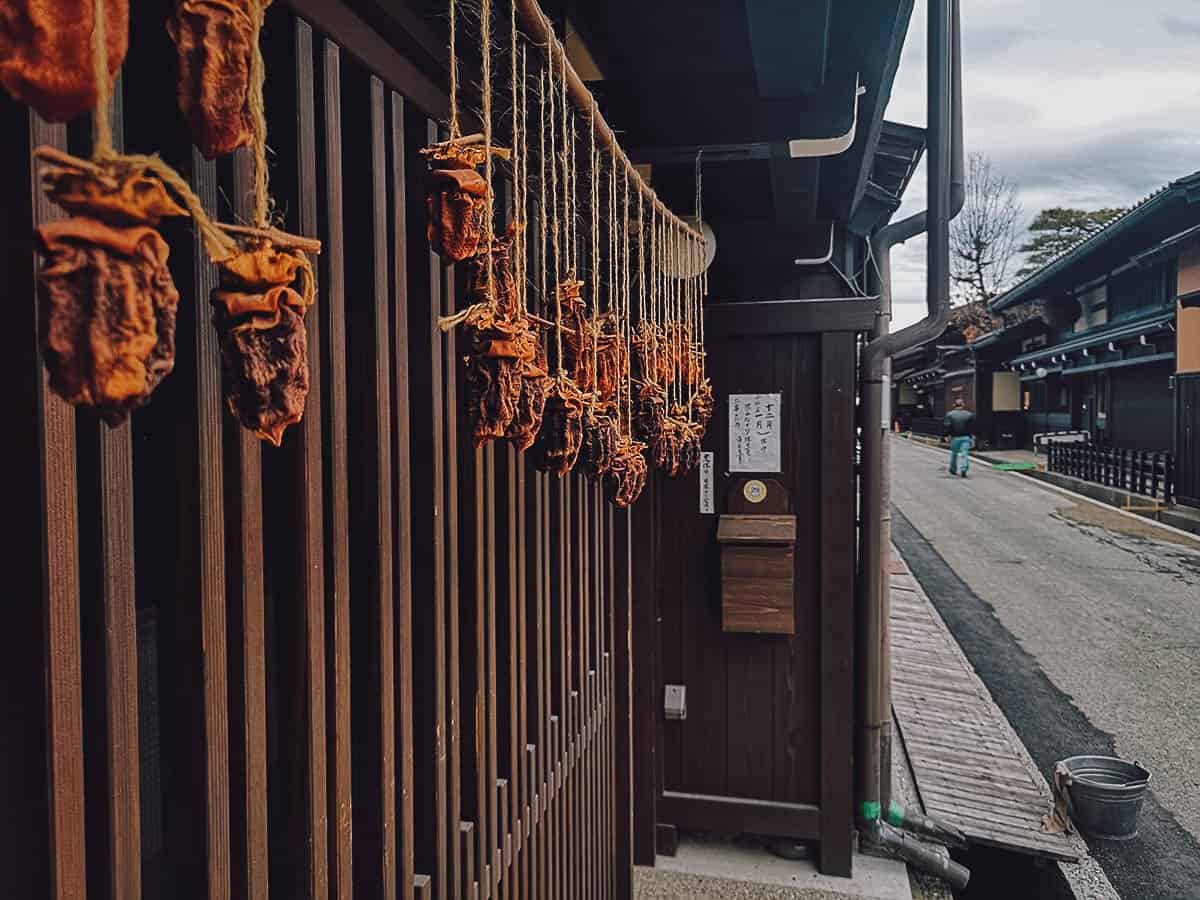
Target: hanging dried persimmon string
{"x": 601, "y": 431}
{"x": 577, "y": 336}
{"x": 47, "y": 53}
{"x": 215, "y": 43}
{"x": 559, "y": 441}
{"x": 702, "y": 399}
{"x": 627, "y": 476}
{"x": 533, "y": 370}
{"x": 457, "y": 196}
{"x": 502, "y": 343}
{"x": 265, "y": 290}
{"x": 591, "y": 395}
{"x": 108, "y": 300}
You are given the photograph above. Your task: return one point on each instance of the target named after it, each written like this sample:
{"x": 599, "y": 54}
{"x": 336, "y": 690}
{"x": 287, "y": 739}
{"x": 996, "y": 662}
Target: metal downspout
{"x": 946, "y": 195}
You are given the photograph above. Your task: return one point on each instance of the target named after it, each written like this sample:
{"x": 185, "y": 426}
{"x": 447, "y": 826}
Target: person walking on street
{"x": 960, "y": 425}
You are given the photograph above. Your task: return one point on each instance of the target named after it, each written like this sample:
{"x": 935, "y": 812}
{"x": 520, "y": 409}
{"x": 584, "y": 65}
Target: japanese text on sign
{"x": 754, "y": 428}
{"x": 706, "y": 483}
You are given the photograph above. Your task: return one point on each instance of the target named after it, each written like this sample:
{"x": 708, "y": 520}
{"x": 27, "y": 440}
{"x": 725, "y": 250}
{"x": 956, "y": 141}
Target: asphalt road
{"x": 1086, "y": 629}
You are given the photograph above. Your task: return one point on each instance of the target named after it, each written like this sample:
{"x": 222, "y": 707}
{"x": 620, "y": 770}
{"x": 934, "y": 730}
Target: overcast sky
{"x": 1085, "y": 103}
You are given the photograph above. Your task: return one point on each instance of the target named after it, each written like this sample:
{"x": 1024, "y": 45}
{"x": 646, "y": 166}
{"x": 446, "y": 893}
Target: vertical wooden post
{"x": 404, "y": 534}
{"x": 643, "y": 603}
{"x": 621, "y": 595}
{"x": 332, "y": 312}
{"x": 59, "y": 597}
{"x": 837, "y": 589}
{"x": 310, "y": 513}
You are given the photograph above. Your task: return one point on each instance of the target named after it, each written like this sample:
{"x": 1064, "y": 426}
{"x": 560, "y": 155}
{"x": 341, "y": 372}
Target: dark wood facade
{"x": 765, "y": 747}
{"x": 1187, "y": 439}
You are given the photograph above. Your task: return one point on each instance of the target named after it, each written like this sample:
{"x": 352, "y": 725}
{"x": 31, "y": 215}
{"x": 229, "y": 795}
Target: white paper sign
{"x": 706, "y": 484}
{"x": 754, "y": 428}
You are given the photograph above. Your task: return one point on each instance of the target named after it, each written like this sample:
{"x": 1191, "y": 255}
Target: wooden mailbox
{"x": 758, "y": 560}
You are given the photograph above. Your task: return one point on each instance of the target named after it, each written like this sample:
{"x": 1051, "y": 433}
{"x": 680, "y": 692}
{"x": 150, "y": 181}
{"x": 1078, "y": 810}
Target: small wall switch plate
{"x": 675, "y": 704}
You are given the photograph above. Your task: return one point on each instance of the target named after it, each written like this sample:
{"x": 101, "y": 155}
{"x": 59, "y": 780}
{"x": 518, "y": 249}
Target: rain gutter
{"x": 946, "y": 195}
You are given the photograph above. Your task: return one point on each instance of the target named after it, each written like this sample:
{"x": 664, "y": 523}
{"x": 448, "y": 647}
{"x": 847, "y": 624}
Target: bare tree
{"x": 983, "y": 238}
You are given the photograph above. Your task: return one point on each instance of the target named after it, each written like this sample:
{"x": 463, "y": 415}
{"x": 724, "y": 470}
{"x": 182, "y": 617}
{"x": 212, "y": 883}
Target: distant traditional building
{"x": 931, "y": 378}
{"x": 1101, "y": 356}
{"x": 1104, "y": 340}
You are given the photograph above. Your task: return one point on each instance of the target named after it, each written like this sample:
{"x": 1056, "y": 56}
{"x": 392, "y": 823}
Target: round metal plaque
{"x": 755, "y": 491}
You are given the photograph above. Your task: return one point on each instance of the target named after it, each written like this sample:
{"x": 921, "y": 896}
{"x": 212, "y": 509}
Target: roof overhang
{"x": 1150, "y": 326}
{"x": 1156, "y": 219}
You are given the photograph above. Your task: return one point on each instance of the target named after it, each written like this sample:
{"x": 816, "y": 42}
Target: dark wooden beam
{"x": 790, "y": 43}
{"x": 763, "y": 241}
{"x": 789, "y": 317}
{"x": 737, "y": 814}
{"x": 704, "y": 111}
{"x": 796, "y": 185}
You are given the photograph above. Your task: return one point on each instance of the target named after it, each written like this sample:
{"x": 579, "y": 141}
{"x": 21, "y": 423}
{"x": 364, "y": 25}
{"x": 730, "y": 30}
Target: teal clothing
{"x": 959, "y": 422}
{"x": 960, "y": 455}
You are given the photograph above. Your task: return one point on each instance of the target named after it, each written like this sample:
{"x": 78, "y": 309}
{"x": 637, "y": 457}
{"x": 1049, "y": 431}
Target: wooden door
{"x": 765, "y": 746}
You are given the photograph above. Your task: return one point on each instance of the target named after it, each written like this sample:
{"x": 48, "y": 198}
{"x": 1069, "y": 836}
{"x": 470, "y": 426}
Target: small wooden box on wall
{"x": 758, "y": 559}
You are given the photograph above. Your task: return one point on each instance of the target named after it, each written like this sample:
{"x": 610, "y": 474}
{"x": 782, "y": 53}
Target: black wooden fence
{"x": 1149, "y": 473}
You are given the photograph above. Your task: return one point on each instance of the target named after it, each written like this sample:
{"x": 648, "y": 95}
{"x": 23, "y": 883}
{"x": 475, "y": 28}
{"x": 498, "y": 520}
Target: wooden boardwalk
{"x": 969, "y": 767}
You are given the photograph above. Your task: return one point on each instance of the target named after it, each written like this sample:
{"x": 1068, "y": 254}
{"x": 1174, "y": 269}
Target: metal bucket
{"x": 1105, "y": 795}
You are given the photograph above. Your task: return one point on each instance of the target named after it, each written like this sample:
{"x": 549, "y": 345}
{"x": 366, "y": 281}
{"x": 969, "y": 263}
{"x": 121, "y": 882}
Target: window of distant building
{"x": 1093, "y": 308}
{"x": 1058, "y": 394}
{"x": 1034, "y": 343}
{"x": 1142, "y": 289}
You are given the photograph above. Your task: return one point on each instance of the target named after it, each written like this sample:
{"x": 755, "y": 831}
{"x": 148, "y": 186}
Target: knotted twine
{"x": 217, "y": 244}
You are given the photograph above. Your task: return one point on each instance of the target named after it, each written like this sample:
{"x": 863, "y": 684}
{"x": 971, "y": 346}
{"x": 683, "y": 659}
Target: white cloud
{"x": 1080, "y": 103}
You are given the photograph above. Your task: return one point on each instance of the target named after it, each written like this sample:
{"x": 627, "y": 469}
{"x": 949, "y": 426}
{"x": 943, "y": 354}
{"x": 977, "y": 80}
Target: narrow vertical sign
{"x": 706, "y": 483}
{"x": 754, "y": 428}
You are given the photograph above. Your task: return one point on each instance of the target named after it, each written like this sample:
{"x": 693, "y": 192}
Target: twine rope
{"x": 218, "y": 245}
{"x": 689, "y": 358}
{"x": 557, "y": 249}
{"x": 676, "y": 284}
{"x": 258, "y": 120}
{"x": 566, "y": 173}
{"x": 641, "y": 232}
{"x": 553, "y": 116}
{"x": 653, "y": 296}
{"x": 489, "y": 222}
{"x": 575, "y": 201}
{"x": 454, "y": 126}
{"x": 517, "y": 161}
{"x": 595, "y": 197}
{"x": 543, "y": 268}
{"x": 625, "y": 305}
{"x": 614, "y": 262}
{"x": 523, "y": 185}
